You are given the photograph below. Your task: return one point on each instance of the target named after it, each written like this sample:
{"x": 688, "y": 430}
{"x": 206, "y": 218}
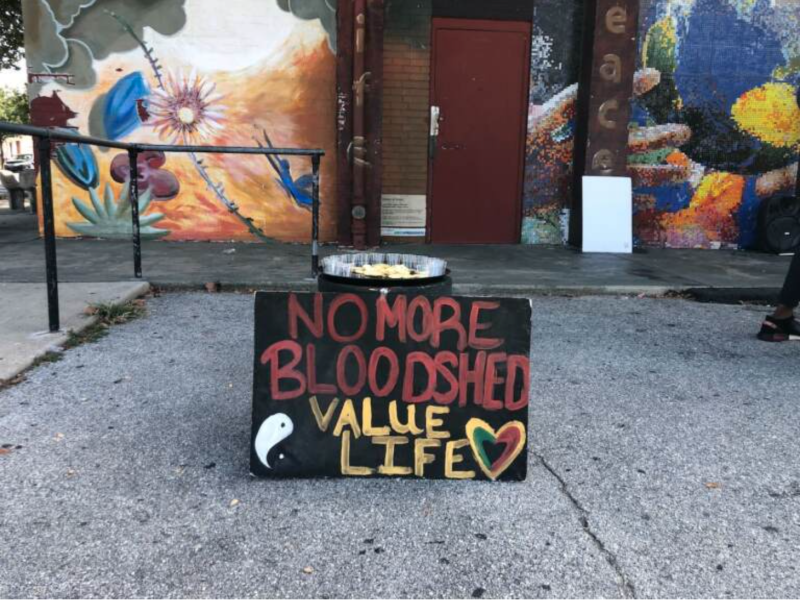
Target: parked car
{"x": 19, "y": 163}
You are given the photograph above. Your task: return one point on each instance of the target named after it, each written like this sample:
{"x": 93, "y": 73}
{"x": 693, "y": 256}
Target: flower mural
{"x": 78, "y": 163}
{"x": 162, "y": 184}
{"x": 122, "y": 106}
{"x": 208, "y": 83}
{"x": 110, "y": 217}
{"x": 186, "y": 110}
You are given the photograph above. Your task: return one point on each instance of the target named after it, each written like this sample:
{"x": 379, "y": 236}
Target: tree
{"x": 14, "y": 109}
{"x": 12, "y": 39}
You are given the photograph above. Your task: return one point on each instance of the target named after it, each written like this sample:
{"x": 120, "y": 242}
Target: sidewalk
{"x": 24, "y": 334}
{"x": 476, "y": 269}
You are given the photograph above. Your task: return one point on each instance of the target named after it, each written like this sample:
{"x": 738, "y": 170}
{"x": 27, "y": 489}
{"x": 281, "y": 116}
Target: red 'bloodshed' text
{"x": 495, "y": 380}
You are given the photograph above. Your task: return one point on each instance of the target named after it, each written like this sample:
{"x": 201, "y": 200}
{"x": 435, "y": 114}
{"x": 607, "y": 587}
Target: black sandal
{"x": 779, "y": 330}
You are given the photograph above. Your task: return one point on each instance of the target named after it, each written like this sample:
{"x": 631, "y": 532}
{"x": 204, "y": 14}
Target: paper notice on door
{"x": 403, "y": 215}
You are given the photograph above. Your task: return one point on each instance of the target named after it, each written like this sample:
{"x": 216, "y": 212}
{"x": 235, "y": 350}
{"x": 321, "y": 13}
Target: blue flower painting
{"x": 121, "y": 111}
{"x": 77, "y": 161}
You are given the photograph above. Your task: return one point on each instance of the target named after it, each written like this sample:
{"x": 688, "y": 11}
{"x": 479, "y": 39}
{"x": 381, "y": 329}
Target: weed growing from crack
{"x": 109, "y": 313}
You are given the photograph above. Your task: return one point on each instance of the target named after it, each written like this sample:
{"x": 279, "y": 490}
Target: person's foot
{"x": 779, "y": 330}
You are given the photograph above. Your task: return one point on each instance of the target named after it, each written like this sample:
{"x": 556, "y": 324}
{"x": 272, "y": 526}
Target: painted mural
{"x": 718, "y": 130}
{"x": 177, "y": 72}
{"x": 715, "y": 131}
{"x": 551, "y": 120}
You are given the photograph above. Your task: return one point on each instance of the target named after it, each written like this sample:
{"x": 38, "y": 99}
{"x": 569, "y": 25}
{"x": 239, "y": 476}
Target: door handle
{"x": 436, "y": 115}
{"x": 433, "y": 134}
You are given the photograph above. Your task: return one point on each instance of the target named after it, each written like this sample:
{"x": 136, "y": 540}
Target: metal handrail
{"x": 47, "y": 135}
{"x": 62, "y": 134}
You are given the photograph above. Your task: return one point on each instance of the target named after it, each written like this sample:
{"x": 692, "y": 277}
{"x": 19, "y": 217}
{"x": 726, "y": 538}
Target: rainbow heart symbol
{"x": 511, "y": 435}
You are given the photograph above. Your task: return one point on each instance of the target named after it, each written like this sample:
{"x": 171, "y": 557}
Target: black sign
{"x": 396, "y": 386}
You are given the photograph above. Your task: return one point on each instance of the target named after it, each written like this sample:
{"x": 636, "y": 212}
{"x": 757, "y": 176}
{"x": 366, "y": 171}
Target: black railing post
{"x": 315, "y": 215}
{"x": 45, "y": 148}
{"x": 133, "y": 160}
{"x": 46, "y": 137}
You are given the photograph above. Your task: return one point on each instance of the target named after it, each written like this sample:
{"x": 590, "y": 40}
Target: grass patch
{"x": 91, "y": 334}
{"x": 109, "y": 313}
{"x": 47, "y": 357}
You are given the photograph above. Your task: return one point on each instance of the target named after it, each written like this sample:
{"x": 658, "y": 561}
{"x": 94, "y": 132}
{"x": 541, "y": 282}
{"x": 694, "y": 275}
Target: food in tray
{"x": 384, "y": 271}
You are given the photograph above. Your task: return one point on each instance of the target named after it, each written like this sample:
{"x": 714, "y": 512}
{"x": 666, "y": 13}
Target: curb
{"x": 465, "y": 289}
{"x": 58, "y": 340}
{"x": 709, "y": 294}
{"x": 731, "y": 295}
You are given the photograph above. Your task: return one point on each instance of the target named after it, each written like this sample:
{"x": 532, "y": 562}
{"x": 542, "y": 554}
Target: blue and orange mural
{"x": 715, "y": 131}
{"x": 174, "y": 71}
{"x": 720, "y": 132}
{"x": 555, "y": 64}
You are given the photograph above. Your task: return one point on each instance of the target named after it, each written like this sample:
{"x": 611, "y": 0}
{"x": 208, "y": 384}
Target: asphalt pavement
{"x": 664, "y": 461}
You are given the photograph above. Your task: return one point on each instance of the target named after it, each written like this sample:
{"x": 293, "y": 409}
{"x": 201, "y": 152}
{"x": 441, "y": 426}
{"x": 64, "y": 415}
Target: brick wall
{"x": 406, "y": 72}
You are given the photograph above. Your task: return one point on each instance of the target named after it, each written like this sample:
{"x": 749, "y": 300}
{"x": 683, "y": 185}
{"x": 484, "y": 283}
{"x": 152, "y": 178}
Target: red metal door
{"x": 480, "y": 84}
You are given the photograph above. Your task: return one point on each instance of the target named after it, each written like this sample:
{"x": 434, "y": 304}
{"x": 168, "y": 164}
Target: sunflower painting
{"x": 187, "y": 110}
{"x": 182, "y": 72}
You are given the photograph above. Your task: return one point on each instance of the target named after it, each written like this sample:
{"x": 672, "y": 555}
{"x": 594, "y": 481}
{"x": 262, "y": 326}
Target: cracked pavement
{"x": 663, "y": 462}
